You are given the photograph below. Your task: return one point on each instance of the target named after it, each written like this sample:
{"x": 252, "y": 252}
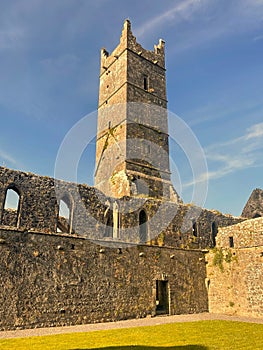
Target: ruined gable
{"x": 254, "y": 205}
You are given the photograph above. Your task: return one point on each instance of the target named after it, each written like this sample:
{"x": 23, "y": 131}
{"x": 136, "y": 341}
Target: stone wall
{"x": 35, "y": 193}
{"x": 234, "y": 275}
{"x": 38, "y": 208}
{"x": 194, "y": 227}
{"x": 55, "y": 280}
{"x": 246, "y": 234}
{"x": 168, "y": 223}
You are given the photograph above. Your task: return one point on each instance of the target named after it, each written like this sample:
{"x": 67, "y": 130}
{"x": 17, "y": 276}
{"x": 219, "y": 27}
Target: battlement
{"x": 128, "y": 42}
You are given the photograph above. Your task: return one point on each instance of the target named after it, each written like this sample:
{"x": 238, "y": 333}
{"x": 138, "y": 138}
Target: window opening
{"x": 64, "y": 217}
{"x": 214, "y": 233}
{"x": 109, "y": 225}
{"x": 11, "y": 207}
{"x": 231, "y": 242}
{"x": 194, "y": 228}
{"x": 145, "y": 83}
{"x": 143, "y": 226}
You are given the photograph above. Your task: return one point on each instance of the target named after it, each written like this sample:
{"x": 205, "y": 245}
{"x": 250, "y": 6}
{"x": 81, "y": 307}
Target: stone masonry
{"x": 235, "y": 269}
{"x": 128, "y": 247}
{"x": 254, "y": 206}
{"x": 92, "y": 214}
{"x": 132, "y": 151}
{"x": 54, "y": 280}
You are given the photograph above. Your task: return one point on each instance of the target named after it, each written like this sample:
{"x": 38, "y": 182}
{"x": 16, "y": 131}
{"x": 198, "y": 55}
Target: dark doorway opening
{"x": 162, "y": 298}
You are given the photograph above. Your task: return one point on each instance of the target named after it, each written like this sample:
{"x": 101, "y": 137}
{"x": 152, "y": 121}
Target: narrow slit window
{"x": 148, "y": 149}
{"x": 195, "y": 229}
{"x": 231, "y": 242}
{"x": 145, "y": 83}
{"x": 214, "y": 233}
{"x": 143, "y": 226}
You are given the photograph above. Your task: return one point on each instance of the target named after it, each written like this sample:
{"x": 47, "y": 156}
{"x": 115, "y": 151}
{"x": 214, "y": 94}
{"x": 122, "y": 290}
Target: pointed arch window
{"x": 195, "y": 229}
{"x": 109, "y": 225}
{"x": 11, "y": 207}
{"x": 64, "y": 224}
{"x": 214, "y": 229}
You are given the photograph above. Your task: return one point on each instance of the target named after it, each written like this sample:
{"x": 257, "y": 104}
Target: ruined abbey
{"x": 127, "y": 247}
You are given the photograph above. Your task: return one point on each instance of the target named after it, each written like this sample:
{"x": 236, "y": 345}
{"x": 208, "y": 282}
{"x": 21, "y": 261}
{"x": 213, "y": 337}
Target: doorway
{"x": 162, "y": 298}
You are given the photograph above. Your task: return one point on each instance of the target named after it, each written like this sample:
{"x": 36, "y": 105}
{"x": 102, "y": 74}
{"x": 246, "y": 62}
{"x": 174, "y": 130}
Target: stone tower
{"x": 132, "y": 152}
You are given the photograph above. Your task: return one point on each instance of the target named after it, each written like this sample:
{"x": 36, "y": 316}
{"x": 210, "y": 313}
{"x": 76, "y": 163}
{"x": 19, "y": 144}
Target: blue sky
{"x": 49, "y": 67}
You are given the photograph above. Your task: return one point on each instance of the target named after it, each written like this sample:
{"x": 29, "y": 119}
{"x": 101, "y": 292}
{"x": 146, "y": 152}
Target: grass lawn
{"x": 202, "y": 335}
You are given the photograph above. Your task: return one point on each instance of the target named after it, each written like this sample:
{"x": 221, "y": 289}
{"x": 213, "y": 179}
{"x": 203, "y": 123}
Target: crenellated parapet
{"x": 129, "y": 42}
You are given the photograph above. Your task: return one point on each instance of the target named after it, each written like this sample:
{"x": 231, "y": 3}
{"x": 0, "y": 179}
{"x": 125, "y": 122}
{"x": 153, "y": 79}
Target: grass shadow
{"x": 141, "y": 347}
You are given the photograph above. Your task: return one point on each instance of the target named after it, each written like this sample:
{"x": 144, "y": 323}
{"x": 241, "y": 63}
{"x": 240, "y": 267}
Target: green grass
{"x": 202, "y": 335}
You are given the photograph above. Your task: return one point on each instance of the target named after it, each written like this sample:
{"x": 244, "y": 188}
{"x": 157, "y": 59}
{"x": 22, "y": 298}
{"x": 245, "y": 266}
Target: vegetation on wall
{"x": 221, "y": 256}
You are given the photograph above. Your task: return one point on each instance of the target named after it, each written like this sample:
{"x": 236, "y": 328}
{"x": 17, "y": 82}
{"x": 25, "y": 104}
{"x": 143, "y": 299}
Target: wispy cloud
{"x": 222, "y": 108}
{"x": 234, "y": 155}
{"x": 11, "y": 37}
{"x": 205, "y": 20}
{"x": 255, "y": 132}
{"x": 257, "y": 38}
{"x": 63, "y": 65}
{"x": 5, "y": 157}
{"x": 183, "y": 9}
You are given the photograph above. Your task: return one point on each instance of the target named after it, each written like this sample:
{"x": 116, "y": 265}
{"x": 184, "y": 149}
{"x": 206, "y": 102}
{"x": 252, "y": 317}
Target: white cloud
{"x": 205, "y": 21}
{"x": 182, "y": 10}
{"x": 221, "y": 108}
{"x": 234, "y": 155}
{"x": 255, "y": 131}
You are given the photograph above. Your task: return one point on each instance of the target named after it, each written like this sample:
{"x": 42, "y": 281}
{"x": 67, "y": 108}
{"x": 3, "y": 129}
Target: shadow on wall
{"x": 141, "y": 347}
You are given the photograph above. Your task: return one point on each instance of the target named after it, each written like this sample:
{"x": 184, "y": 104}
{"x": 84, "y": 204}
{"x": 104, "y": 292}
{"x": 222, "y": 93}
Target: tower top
{"x": 128, "y": 42}
{"x": 127, "y": 24}
{"x": 132, "y": 148}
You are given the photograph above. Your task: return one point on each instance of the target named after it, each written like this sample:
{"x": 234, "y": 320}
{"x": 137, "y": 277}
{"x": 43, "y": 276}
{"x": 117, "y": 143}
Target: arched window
{"x": 11, "y": 207}
{"x": 214, "y": 230}
{"x": 194, "y": 228}
{"x": 109, "y": 225}
{"x": 64, "y": 216}
{"x": 143, "y": 226}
